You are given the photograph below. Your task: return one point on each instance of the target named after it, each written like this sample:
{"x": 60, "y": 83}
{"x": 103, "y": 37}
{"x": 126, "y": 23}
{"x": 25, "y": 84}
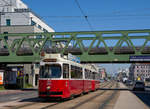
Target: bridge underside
{"x": 98, "y": 55}
{"x": 91, "y": 47}
{"x": 84, "y": 59}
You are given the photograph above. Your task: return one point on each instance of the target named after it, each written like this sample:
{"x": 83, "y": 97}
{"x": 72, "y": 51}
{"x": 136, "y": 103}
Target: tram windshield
{"x": 50, "y": 71}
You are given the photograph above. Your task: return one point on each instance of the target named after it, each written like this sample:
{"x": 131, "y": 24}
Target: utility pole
{"x": 0, "y": 21}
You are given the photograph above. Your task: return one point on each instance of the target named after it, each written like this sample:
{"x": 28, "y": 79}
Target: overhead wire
{"x": 95, "y": 16}
{"x": 86, "y": 17}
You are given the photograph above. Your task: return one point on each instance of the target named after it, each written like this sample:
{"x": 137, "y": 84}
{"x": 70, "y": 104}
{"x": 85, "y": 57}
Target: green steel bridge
{"x": 91, "y": 47}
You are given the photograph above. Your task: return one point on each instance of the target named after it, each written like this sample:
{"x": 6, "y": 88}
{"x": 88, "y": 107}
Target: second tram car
{"x": 63, "y": 78}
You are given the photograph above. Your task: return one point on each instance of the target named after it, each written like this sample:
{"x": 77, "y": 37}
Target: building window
{"x": 33, "y": 23}
{"x": 8, "y": 22}
{"x": 39, "y": 26}
{"x": 38, "y": 37}
{"x": 45, "y": 30}
{"x": 37, "y": 65}
{"x": 6, "y": 37}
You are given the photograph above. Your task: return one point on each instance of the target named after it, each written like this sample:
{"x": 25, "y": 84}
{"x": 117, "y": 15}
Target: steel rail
{"x": 89, "y": 99}
{"x": 104, "y": 104}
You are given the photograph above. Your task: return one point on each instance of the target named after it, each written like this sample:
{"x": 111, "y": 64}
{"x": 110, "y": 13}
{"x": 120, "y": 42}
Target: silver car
{"x": 139, "y": 85}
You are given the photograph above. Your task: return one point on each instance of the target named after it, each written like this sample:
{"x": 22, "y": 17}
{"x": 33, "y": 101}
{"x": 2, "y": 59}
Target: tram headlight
{"x": 48, "y": 87}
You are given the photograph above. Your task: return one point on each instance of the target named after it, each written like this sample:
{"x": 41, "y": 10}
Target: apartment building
{"x": 139, "y": 70}
{"x": 16, "y": 17}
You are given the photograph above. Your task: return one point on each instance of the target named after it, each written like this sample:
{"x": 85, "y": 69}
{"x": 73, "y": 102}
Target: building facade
{"x": 139, "y": 70}
{"x": 16, "y": 17}
{"x": 103, "y": 73}
{"x": 25, "y": 17}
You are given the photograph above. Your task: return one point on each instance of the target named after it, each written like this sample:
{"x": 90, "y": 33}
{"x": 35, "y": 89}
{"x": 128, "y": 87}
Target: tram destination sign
{"x": 139, "y": 58}
{"x": 73, "y": 58}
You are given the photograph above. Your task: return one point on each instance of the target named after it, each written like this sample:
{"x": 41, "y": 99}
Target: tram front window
{"x": 50, "y": 71}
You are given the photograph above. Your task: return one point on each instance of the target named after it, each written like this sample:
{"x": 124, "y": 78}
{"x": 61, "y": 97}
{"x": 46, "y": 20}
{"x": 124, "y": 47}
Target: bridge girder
{"x": 89, "y": 46}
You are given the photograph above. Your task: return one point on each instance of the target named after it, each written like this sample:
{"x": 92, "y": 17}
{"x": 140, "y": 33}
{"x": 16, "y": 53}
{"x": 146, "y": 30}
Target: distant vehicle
{"x": 102, "y": 80}
{"x": 124, "y": 79}
{"x": 129, "y": 83}
{"x": 147, "y": 82}
{"x": 118, "y": 80}
{"x": 139, "y": 85}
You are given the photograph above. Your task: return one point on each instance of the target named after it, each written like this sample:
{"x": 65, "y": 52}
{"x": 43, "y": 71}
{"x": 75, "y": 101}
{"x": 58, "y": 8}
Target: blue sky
{"x": 64, "y": 15}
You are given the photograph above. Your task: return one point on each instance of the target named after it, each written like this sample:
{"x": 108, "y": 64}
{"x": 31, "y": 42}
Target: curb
{"x": 29, "y": 89}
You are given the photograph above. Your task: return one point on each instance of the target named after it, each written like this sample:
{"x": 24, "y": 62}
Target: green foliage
{"x": 28, "y": 86}
{"x": 2, "y": 88}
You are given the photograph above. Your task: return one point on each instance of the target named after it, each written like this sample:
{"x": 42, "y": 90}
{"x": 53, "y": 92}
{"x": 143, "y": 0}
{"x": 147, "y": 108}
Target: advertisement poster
{"x": 1, "y": 78}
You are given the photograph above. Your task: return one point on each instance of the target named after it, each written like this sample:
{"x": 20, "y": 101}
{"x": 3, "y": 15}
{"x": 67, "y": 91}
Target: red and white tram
{"x": 63, "y": 78}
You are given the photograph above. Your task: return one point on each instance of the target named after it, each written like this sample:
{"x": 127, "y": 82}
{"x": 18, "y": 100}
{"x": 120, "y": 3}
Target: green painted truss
{"x": 96, "y": 47}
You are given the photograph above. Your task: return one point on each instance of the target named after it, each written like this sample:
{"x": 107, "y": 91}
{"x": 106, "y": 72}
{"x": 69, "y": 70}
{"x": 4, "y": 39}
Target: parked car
{"x": 147, "y": 82}
{"x": 129, "y": 83}
{"x": 139, "y": 85}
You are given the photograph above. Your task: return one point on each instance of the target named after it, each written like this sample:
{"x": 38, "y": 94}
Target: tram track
{"x": 107, "y": 101}
{"x": 90, "y": 99}
{"x": 38, "y": 105}
{"x": 45, "y": 105}
{"x": 104, "y": 84}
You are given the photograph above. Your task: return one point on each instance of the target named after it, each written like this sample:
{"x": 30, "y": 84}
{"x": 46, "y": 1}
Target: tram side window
{"x": 94, "y": 75}
{"x": 91, "y": 75}
{"x": 80, "y": 73}
{"x": 76, "y": 72}
{"x": 88, "y": 74}
{"x": 98, "y": 76}
{"x": 85, "y": 73}
{"x": 65, "y": 71}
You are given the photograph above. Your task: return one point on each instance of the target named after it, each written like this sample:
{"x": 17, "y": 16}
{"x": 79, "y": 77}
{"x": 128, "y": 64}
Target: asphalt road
{"x": 24, "y": 95}
{"x": 32, "y": 96}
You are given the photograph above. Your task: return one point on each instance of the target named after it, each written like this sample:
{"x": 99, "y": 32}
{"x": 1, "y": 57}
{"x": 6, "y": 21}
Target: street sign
{"x": 73, "y": 58}
{"x": 139, "y": 58}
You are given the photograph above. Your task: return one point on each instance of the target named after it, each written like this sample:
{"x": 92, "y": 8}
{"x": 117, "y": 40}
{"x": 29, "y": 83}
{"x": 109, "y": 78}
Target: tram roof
{"x": 64, "y": 59}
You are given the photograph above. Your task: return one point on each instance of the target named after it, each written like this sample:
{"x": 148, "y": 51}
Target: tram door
{"x": 36, "y": 79}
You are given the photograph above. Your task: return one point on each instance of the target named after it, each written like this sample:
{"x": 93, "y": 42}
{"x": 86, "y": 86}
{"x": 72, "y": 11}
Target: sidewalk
{"x": 128, "y": 100}
{"x": 34, "y": 88}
